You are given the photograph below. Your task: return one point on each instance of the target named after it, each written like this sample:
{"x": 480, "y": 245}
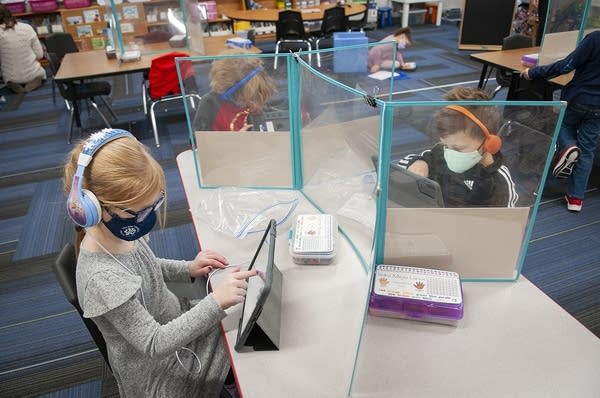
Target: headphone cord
{"x": 146, "y": 308}
{"x": 210, "y": 274}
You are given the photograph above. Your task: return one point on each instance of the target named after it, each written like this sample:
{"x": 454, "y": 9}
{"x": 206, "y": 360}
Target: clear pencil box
{"x": 312, "y": 240}
{"x": 421, "y": 294}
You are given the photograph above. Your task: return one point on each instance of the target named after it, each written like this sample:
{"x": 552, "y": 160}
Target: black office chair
{"x": 290, "y": 34}
{"x": 334, "y": 20}
{"x": 503, "y": 77}
{"x": 64, "y": 268}
{"x": 74, "y": 92}
{"x": 356, "y": 24}
{"x": 60, "y": 43}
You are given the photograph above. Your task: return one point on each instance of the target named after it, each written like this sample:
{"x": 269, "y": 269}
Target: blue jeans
{"x": 580, "y": 127}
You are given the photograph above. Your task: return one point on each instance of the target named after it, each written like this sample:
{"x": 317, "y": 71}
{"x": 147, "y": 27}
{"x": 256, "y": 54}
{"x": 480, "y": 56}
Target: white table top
{"x": 513, "y": 341}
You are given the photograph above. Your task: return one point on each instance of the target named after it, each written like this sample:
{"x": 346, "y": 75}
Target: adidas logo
{"x": 469, "y": 184}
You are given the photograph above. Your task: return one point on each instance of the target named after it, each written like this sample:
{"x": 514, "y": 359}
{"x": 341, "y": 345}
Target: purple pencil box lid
{"x": 416, "y": 293}
{"x": 529, "y": 59}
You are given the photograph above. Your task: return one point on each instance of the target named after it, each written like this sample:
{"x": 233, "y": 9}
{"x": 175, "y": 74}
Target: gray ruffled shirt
{"x": 144, "y": 324}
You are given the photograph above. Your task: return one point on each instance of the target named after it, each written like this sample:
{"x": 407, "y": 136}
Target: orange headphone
{"x": 492, "y": 143}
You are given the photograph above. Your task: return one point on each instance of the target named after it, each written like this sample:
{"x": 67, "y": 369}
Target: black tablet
{"x": 407, "y": 189}
{"x": 261, "y": 312}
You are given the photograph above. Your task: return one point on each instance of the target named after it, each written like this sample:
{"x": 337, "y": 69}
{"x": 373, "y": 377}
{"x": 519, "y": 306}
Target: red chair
{"x": 163, "y": 84}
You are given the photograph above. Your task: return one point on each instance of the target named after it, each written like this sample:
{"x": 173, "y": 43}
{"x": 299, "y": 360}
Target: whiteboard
{"x": 485, "y": 23}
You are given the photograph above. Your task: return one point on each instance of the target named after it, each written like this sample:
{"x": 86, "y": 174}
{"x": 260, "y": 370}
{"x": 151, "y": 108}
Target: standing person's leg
{"x": 567, "y": 152}
{"x": 587, "y": 139}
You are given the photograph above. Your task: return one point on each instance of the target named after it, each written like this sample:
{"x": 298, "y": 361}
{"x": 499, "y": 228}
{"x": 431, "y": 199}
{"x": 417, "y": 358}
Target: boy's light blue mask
{"x": 459, "y": 162}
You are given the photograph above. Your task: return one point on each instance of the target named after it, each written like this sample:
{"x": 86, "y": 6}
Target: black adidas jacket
{"x": 479, "y": 186}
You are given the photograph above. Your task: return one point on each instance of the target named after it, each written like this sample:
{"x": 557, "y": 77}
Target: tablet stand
{"x": 258, "y": 339}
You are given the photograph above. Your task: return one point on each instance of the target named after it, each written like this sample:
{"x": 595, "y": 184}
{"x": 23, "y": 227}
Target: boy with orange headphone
{"x": 467, "y": 162}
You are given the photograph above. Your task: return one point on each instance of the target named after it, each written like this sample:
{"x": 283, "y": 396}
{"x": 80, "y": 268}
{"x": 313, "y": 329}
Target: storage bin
{"x": 432, "y": 10}
{"x": 352, "y": 60}
{"x": 420, "y": 294}
{"x": 76, "y": 3}
{"x": 415, "y": 17}
{"x": 16, "y": 7}
{"x": 43, "y": 5}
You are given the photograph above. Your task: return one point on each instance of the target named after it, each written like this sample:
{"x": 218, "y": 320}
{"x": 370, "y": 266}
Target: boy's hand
{"x": 487, "y": 159}
{"x": 374, "y": 68}
{"x": 525, "y": 74}
{"x": 232, "y": 289}
{"x": 204, "y": 263}
{"x": 419, "y": 167}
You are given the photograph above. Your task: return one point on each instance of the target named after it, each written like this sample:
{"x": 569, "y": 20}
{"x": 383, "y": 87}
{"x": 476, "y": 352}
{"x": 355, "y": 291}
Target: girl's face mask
{"x": 139, "y": 224}
{"x": 128, "y": 228}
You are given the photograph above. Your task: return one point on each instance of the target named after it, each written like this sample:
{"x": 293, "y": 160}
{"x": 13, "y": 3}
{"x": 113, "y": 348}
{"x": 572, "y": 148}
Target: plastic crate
{"x": 352, "y": 60}
{"x": 43, "y": 5}
{"x": 15, "y": 7}
{"x": 76, "y": 3}
{"x": 415, "y": 17}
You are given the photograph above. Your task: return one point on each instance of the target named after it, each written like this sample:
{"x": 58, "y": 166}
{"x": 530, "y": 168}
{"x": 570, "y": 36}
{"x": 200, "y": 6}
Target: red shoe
{"x": 564, "y": 162}
{"x": 573, "y": 204}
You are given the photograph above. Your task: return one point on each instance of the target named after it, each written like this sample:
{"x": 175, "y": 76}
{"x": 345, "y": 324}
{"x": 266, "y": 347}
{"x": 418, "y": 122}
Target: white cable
{"x": 146, "y": 308}
{"x": 210, "y": 274}
{"x": 195, "y": 356}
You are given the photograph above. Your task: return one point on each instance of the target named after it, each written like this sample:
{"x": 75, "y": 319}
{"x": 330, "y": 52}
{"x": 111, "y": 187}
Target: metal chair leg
{"x": 53, "y": 92}
{"x": 276, "y": 55}
{"x": 110, "y": 109}
{"x": 153, "y": 120}
{"x": 71, "y": 118}
{"x": 104, "y": 119}
{"x": 318, "y": 54}
{"x": 144, "y": 99}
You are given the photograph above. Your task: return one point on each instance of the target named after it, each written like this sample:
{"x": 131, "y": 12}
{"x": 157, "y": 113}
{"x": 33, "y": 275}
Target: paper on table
{"x": 382, "y": 75}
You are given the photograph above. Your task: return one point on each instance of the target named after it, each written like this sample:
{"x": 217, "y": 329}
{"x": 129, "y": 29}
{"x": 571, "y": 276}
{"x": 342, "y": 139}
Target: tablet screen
{"x": 258, "y": 286}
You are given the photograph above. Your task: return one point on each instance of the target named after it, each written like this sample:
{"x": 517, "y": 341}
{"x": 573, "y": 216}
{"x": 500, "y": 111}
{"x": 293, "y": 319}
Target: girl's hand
{"x": 205, "y": 262}
{"x": 525, "y": 74}
{"x": 232, "y": 289}
{"x": 419, "y": 167}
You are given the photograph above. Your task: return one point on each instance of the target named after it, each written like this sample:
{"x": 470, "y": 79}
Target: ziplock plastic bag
{"x": 241, "y": 211}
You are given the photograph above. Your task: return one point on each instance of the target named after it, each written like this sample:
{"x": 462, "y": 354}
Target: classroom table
{"x": 313, "y": 13}
{"x": 406, "y": 10}
{"x": 513, "y": 340}
{"x": 94, "y": 64}
{"x": 510, "y": 60}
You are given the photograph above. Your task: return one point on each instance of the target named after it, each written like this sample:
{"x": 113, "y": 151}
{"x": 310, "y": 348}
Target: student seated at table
{"x": 158, "y": 345}
{"x": 467, "y": 162}
{"x": 381, "y": 57}
{"x": 240, "y": 88}
{"x": 20, "y": 52}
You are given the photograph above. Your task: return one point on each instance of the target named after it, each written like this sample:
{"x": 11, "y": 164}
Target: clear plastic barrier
{"x": 463, "y": 214}
{"x": 145, "y": 27}
{"x": 450, "y": 185}
{"x": 339, "y": 145}
{"x": 350, "y": 64}
{"x": 449, "y": 182}
{"x": 593, "y": 20}
{"x": 241, "y": 127}
{"x": 567, "y": 22}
